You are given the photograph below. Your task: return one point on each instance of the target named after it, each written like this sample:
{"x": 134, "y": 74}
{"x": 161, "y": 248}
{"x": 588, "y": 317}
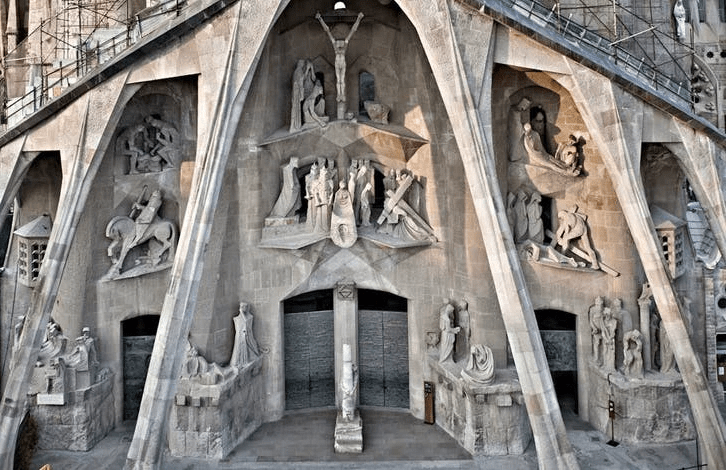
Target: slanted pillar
{"x": 619, "y": 141}
{"x": 77, "y": 184}
{"x": 472, "y": 130}
{"x": 243, "y": 54}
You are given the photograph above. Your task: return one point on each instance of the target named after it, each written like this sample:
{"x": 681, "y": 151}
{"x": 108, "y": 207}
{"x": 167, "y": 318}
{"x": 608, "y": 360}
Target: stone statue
{"x": 84, "y": 357}
{"x": 310, "y": 181}
{"x": 679, "y": 13}
{"x": 343, "y": 230}
{"x": 609, "y": 330}
{"x": 520, "y": 215}
{"x": 245, "y": 348}
{"x": 398, "y": 218}
{"x": 323, "y": 197}
{"x": 54, "y": 344}
{"x": 288, "y": 202}
{"x": 622, "y": 315}
{"x": 314, "y": 107}
{"x": 535, "y": 227}
{"x": 463, "y": 321}
{"x": 197, "y": 368}
{"x": 633, "y": 354}
{"x": 303, "y": 80}
{"x": 165, "y": 140}
{"x": 480, "y": 367}
{"x": 573, "y": 226}
{"x": 366, "y": 196}
{"x": 595, "y": 314}
{"x": 378, "y": 112}
{"x": 511, "y": 211}
{"x": 448, "y": 332}
{"x": 142, "y": 226}
{"x": 340, "y": 46}
{"x": 530, "y": 135}
{"x": 348, "y": 384}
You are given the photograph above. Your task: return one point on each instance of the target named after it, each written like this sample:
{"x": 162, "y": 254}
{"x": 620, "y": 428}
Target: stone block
{"x": 348, "y": 435}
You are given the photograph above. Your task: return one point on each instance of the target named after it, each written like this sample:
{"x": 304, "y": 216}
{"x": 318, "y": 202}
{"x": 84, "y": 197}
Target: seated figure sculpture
{"x": 480, "y": 368}
{"x": 530, "y": 135}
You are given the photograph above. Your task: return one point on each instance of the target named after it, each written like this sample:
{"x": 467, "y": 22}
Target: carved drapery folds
{"x": 142, "y": 242}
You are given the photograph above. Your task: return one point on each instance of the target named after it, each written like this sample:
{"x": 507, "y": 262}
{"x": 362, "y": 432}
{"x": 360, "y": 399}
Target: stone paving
{"x": 392, "y": 440}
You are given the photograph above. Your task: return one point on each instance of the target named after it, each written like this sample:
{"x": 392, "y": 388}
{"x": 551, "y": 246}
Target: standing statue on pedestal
{"x": 596, "y": 329}
{"x": 245, "y": 348}
{"x": 303, "y": 80}
{"x": 288, "y": 202}
{"x": 633, "y": 354}
{"x": 340, "y": 46}
{"x": 609, "y": 330}
{"x": 448, "y": 332}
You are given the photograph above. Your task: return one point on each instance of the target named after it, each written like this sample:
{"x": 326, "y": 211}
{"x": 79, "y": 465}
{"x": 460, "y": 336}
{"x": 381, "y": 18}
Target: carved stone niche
{"x": 671, "y": 232}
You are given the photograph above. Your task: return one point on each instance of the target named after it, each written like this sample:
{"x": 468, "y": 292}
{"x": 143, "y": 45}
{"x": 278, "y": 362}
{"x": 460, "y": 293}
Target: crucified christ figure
{"x": 340, "y": 46}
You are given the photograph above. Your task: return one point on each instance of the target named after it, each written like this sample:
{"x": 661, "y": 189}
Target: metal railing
{"x": 55, "y": 79}
{"x": 638, "y": 67}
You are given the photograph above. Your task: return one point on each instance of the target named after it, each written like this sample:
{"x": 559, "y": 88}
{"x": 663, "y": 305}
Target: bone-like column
{"x": 242, "y": 55}
{"x": 600, "y": 104}
{"x": 472, "y": 130}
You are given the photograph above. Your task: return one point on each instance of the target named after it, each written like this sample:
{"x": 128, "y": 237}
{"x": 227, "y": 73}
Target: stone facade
{"x": 344, "y": 174}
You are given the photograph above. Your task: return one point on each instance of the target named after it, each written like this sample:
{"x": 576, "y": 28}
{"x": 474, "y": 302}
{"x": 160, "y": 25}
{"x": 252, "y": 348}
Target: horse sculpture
{"x": 160, "y": 235}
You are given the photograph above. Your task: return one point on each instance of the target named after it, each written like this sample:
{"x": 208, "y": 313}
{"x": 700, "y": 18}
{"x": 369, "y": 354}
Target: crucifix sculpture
{"x": 340, "y": 46}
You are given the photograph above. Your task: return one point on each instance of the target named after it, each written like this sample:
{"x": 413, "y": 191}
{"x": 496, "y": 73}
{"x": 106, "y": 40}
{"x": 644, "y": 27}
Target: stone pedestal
{"x": 80, "y": 420}
{"x": 349, "y": 434}
{"x": 209, "y": 421}
{"x": 654, "y": 409}
{"x": 484, "y": 419}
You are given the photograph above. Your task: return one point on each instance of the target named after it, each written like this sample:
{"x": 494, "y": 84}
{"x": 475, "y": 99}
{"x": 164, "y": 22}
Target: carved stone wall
{"x": 654, "y": 409}
{"x": 209, "y": 421}
{"x": 485, "y": 419}
{"x": 78, "y": 425}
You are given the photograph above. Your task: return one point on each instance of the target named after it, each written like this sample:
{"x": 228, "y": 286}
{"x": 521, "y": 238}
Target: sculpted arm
{"x": 325, "y": 27}
{"x": 354, "y": 28}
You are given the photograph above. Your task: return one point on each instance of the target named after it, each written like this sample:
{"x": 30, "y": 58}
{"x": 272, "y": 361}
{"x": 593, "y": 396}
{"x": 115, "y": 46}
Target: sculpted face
{"x": 538, "y": 123}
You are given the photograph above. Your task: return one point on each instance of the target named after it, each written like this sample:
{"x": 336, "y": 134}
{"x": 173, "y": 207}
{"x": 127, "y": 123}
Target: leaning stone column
{"x": 177, "y": 312}
{"x": 472, "y": 130}
{"x": 600, "y": 103}
{"x": 89, "y": 151}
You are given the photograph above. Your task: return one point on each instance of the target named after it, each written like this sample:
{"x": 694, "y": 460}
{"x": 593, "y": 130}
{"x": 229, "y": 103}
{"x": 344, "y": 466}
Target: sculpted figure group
{"x": 530, "y": 135}
{"x": 151, "y": 146}
{"x": 63, "y": 366}
{"x": 604, "y": 322}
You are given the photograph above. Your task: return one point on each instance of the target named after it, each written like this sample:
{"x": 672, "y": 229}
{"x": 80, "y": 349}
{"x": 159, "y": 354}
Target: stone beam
{"x": 92, "y": 140}
{"x": 472, "y": 130}
{"x": 252, "y": 24}
{"x": 701, "y": 161}
{"x": 601, "y": 105}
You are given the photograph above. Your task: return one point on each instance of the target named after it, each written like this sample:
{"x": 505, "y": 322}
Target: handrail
{"x": 678, "y": 90}
{"x": 75, "y": 70}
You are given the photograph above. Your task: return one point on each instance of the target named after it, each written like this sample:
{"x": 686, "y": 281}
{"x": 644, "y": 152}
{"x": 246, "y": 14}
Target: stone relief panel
{"x": 142, "y": 242}
{"x": 331, "y": 198}
{"x": 569, "y": 246}
{"x": 150, "y": 146}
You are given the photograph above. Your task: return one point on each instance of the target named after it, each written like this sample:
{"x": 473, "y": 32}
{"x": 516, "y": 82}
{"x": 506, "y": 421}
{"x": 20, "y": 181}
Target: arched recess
{"x": 559, "y": 337}
{"x": 138, "y": 335}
